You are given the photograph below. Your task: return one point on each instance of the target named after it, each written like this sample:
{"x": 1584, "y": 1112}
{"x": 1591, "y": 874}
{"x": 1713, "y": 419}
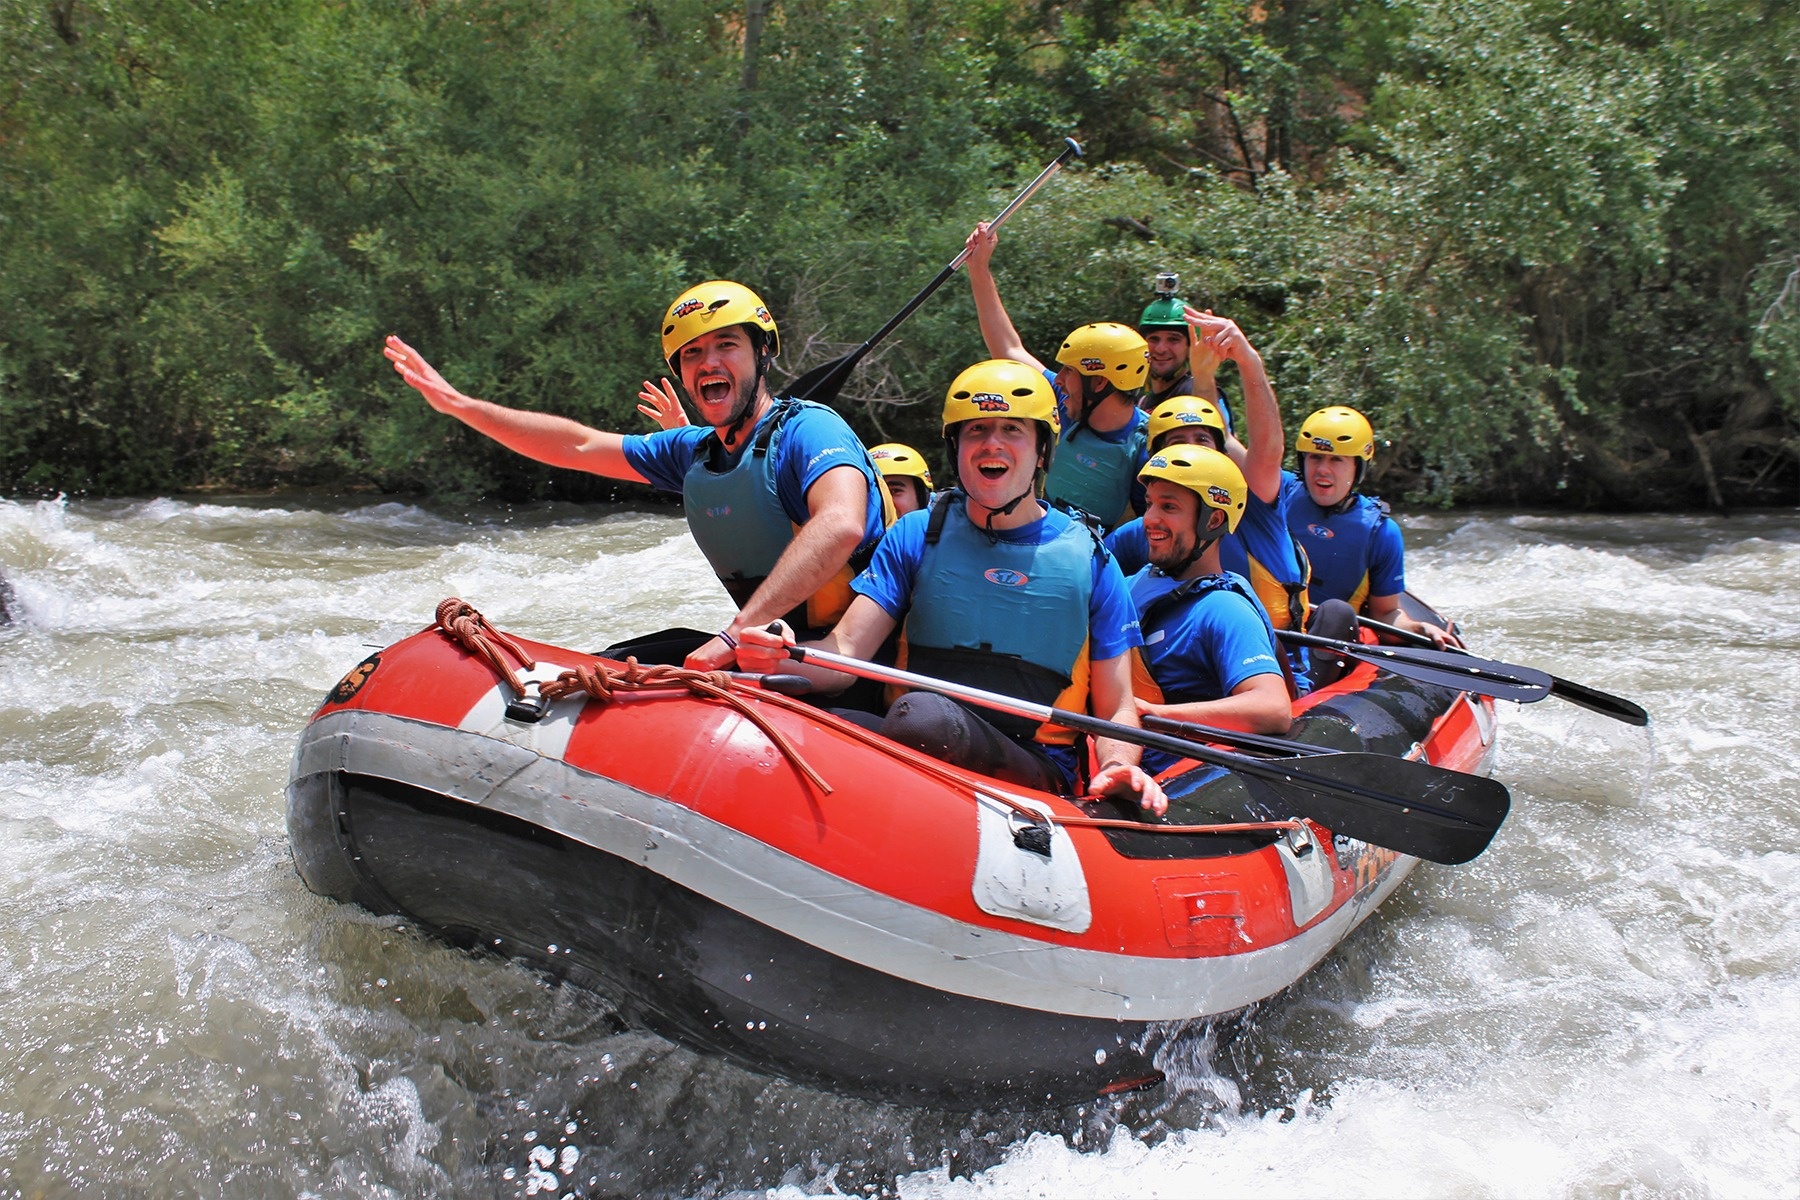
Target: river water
{"x": 1602, "y": 1004}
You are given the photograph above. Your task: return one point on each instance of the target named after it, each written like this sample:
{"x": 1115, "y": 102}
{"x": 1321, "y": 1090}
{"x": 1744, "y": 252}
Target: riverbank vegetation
{"x": 1550, "y": 247}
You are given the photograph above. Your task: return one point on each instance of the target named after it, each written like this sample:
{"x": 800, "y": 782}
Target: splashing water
{"x": 1595, "y": 1006}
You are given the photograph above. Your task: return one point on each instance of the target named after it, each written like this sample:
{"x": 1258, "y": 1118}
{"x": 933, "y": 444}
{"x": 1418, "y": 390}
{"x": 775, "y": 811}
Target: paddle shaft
{"x": 816, "y": 378}
{"x": 1616, "y": 707}
{"x": 1231, "y": 737}
{"x": 1295, "y": 785}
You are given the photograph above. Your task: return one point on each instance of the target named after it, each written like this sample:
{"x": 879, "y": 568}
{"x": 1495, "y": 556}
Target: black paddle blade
{"x": 1616, "y": 707}
{"x": 822, "y": 384}
{"x": 1451, "y": 819}
{"x": 1448, "y": 668}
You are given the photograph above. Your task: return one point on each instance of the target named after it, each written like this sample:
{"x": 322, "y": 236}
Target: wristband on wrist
{"x": 725, "y": 636}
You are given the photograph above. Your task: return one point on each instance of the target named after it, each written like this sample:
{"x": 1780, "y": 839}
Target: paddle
{"x": 1407, "y": 806}
{"x": 1616, "y": 707}
{"x": 1464, "y": 672}
{"x": 824, "y": 381}
{"x": 1232, "y": 737}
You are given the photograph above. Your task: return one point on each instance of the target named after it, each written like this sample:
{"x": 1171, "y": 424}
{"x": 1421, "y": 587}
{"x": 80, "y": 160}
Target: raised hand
{"x": 418, "y": 373}
{"x": 662, "y": 405}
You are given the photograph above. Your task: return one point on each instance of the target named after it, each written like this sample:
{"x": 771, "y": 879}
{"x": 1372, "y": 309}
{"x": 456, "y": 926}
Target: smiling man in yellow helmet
{"x": 780, "y": 495}
{"x": 1358, "y": 556}
{"x": 1208, "y": 644}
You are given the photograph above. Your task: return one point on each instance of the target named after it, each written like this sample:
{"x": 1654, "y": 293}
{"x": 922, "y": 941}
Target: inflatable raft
{"x": 750, "y": 875}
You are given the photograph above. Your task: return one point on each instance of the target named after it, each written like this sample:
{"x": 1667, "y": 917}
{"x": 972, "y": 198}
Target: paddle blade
{"x": 822, "y": 384}
{"x": 1616, "y": 707}
{"x": 1452, "y": 819}
{"x": 1452, "y": 669}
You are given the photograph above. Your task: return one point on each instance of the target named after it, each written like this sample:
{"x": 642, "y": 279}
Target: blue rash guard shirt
{"x": 814, "y": 441}
{"x": 1203, "y": 647}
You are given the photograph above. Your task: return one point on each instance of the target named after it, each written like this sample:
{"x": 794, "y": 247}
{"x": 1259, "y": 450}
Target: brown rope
{"x": 462, "y": 623}
{"x": 603, "y": 684}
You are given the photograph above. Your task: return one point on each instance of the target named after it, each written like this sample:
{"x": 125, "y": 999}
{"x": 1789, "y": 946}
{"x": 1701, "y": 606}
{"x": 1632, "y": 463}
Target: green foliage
{"x": 1547, "y": 245}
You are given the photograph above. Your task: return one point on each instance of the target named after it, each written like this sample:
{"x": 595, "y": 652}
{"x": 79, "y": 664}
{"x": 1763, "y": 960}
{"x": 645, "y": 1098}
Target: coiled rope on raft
{"x": 470, "y": 629}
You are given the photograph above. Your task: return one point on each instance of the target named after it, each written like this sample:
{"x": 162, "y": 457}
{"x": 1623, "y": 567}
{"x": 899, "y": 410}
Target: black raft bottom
{"x": 685, "y": 966}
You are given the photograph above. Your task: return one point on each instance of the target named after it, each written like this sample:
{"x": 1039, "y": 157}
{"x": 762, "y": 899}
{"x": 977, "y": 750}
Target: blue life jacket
{"x": 1095, "y": 474}
{"x": 734, "y": 511}
{"x": 1338, "y": 545}
{"x": 1155, "y": 595}
{"x": 1003, "y": 616}
{"x": 1263, "y": 550}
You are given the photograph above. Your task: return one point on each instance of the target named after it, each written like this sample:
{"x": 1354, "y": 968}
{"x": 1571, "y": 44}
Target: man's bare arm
{"x": 549, "y": 439}
{"x": 997, "y": 330}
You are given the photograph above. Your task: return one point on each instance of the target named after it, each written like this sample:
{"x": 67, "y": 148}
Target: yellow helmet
{"x": 1107, "y": 348}
{"x": 895, "y": 460}
{"x": 1205, "y": 472}
{"x": 1182, "y": 411}
{"x": 1339, "y": 431}
{"x": 1000, "y": 387}
{"x": 716, "y": 304}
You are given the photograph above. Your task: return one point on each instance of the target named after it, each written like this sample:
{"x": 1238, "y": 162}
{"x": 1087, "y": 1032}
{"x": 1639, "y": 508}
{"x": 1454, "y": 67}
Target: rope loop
{"x": 461, "y": 623}
{"x": 604, "y": 684}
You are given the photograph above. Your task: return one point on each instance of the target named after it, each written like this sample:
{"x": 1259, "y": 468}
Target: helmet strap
{"x": 1201, "y": 541}
{"x": 952, "y": 446}
{"x": 1093, "y": 390}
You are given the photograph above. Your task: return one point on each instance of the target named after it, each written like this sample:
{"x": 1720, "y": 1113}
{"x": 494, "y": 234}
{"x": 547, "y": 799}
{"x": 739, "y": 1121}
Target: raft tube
{"x": 889, "y": 937}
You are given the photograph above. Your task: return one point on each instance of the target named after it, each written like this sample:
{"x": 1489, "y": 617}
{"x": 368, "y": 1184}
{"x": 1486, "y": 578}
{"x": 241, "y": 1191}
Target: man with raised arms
{"x": 995, "y": 590}
{"x": 1100, "y": 365}
{"x": 1260, "y": 547}
{"x": 780, "y": 495}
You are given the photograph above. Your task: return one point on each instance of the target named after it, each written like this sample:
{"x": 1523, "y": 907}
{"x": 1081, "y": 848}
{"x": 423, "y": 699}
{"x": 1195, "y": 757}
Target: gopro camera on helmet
{"x": 1167, "y": 283}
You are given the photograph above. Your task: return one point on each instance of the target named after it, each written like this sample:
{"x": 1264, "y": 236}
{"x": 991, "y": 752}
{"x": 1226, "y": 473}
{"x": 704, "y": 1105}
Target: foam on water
{"x": 1597, "y": 1005}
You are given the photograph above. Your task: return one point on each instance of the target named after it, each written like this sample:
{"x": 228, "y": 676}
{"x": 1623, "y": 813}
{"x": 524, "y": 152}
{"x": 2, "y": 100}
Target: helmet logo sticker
{"x": 1092, "y": 364}
{"x": 1218, "y": 495}
{"x": 1323, "y": 445}
{"x": 1005, "y": 577}
{"x": 686, "y": 306}
{"x": 762, "y": 314}
{"x": 989, "y": 402}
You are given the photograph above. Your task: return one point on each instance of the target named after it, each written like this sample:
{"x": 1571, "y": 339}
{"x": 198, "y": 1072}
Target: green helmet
{"x": 1164, "y": 312}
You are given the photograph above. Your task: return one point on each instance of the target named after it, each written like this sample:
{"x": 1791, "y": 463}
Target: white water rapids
{"x": 1600, "y": 1005}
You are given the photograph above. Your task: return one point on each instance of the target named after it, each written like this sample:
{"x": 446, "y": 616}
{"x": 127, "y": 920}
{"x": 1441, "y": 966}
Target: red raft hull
{"x": 886, "y": 938}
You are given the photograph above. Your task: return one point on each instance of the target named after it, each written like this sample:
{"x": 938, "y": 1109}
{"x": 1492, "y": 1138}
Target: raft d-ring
{"x": 528, "y": 709}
